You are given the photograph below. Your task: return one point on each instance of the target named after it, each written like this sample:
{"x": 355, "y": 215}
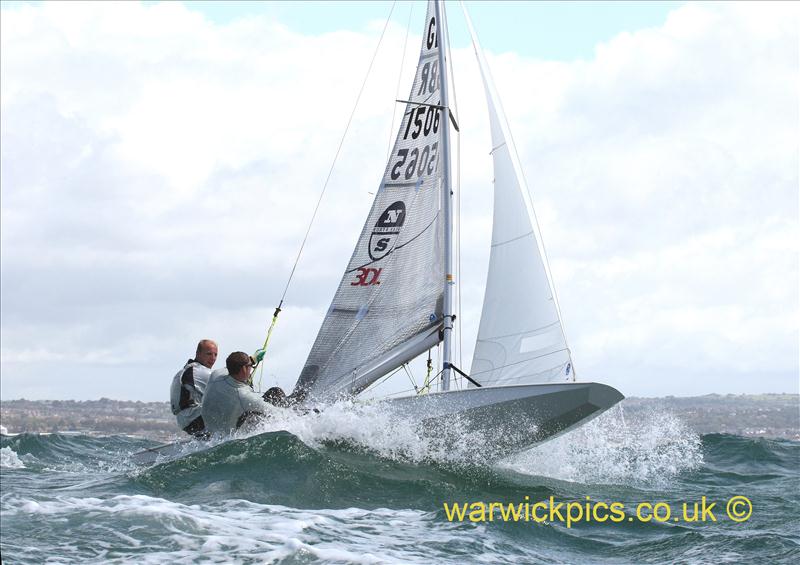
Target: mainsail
{"x": 388, "y": 306}
{"x": 520, "y": 337}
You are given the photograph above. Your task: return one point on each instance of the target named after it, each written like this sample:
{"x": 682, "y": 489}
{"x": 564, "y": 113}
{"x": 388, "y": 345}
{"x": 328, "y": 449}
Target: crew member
{"x": 189, "y": 386}
{"x": 230, "y": 401}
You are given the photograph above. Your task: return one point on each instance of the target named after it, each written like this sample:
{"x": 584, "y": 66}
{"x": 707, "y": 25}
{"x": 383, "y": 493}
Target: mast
{"x": 447, "y": 204}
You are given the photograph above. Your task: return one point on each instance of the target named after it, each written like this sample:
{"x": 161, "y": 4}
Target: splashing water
{"x": 370, "y": 426}
{"x": 649, "y": 450}
{"x": 9, "y": 459}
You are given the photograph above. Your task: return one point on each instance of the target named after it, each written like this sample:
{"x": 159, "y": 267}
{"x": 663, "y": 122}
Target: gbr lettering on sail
{"x": 423, "y": 119}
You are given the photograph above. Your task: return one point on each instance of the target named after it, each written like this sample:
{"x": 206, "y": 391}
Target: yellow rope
{"x": 266, "y": 342}
{"x": 426, "y": 386}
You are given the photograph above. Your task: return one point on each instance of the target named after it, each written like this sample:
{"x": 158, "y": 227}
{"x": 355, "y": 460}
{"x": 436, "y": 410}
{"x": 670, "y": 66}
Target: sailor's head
{"x": 206, "y": 353}
{"x": 239, "y": 365}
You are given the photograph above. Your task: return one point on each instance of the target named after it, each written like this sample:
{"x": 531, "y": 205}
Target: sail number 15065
{"x": 416, "y": 161}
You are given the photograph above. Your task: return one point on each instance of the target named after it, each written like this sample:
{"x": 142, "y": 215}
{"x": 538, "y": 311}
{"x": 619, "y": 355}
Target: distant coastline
{"x": 750, "y": 415}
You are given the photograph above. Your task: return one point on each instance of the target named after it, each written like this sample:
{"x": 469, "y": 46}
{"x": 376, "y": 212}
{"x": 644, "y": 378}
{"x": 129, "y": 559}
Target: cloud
{"x": 158, "y": 172}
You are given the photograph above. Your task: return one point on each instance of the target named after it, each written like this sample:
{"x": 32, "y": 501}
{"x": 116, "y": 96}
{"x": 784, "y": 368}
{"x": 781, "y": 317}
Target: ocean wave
{"x": 339, "y": 497}
{"x": 334, "y": 467}
{"x": 147, "y": 529}
{"x": 752, "y": 454}
{"x": 277, "y": 467}
{"x": 75, "y": 453}
{"x": 354, "y": 451}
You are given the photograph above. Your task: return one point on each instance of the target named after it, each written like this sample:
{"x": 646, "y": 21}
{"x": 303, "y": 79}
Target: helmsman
{"x": 230, "y": 401}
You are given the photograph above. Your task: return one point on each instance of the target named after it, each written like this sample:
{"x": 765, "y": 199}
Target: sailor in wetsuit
{"x": 230, "y": 401}
{"x": 188, "y": 387}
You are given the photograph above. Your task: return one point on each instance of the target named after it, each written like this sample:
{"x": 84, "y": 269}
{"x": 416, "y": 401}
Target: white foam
{"x": 648, "y": 450}
{"x": 9, "y": 459}
{"x": 241, "y": 531}
{"x": 372, "y": 427}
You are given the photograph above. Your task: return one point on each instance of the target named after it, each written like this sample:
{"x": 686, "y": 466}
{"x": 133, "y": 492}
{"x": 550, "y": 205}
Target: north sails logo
{"x": 384, "y": 234}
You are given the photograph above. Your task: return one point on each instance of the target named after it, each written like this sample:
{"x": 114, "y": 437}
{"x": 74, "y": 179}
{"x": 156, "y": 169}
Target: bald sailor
{"x": 230, "y": 401}
{"x": 188, "y": 388}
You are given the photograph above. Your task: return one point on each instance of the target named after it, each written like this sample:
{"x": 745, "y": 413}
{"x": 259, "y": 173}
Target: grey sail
{"x": 388, "y": 306}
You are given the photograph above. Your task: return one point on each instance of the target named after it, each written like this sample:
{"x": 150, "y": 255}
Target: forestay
{"x": 520, "y": 337}
{"x": 388, "y": 306}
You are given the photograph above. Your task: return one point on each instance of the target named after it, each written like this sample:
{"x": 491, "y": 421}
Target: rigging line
{"x": 338, "y": 150}
{"x": 476, "y": 47}
{"x": 426, "y": 388}
{"x": 458, "y": 198}
{"x": 399, "y": 393}
{"x": 458, "y": 243}
{"x": 450, "y": 65}
{"x": 428, "y": 371}
{"x": 399, "y": 79}
{"x": 410, "y": 376}
{"x": 376, "y": 384}
{"x": 438, "y": 366}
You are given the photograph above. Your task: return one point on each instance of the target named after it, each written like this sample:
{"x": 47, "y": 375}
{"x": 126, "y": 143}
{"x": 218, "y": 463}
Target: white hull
{"x": 509, "y": 418}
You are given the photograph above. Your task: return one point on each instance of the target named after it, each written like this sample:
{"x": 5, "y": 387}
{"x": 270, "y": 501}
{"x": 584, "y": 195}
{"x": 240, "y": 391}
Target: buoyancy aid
{"x": 187, "y": 390}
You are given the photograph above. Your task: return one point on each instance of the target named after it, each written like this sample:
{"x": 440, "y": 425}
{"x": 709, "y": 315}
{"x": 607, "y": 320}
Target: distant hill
{"x": 761, "y": 415}
{"x": 104, "y": 416}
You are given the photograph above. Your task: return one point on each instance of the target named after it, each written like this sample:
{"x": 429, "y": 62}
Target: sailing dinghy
{"x": 395, "y": 301}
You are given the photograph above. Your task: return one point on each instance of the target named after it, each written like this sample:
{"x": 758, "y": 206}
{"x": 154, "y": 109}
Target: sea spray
{"x": 9, "y": 459}
{"x": 649, "y": 450}
{"x": 370, "y": 426}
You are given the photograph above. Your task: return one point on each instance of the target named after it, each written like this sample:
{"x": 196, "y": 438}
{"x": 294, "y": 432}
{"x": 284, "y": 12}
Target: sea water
{"x": 351, "y": 486}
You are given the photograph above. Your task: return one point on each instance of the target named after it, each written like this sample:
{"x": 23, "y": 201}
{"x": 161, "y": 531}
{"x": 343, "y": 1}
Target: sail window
{"x": 540, "y": 341}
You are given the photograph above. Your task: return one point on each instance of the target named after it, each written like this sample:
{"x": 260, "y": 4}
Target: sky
{"x": 159, "y": 163}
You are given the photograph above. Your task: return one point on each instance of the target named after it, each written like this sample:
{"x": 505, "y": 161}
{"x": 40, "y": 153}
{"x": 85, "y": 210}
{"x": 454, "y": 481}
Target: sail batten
{"x": 388, "y": 307}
